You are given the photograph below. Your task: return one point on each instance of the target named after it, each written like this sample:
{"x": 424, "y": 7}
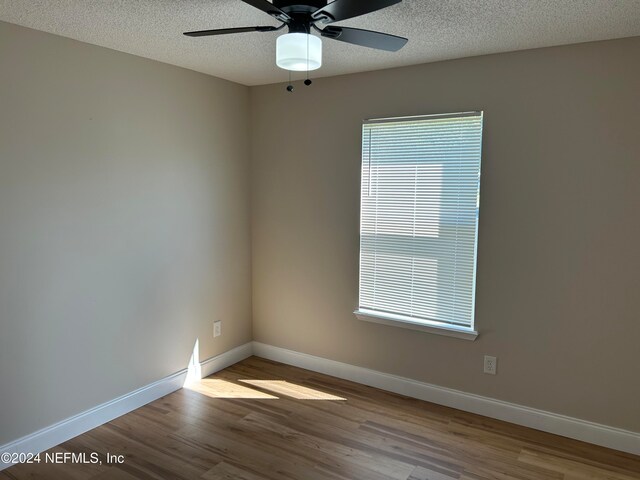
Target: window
{"x": 419, "y": 221}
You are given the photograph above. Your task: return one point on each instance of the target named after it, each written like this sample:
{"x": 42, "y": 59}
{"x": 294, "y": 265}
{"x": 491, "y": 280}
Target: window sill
{"x": 423, "y": 326}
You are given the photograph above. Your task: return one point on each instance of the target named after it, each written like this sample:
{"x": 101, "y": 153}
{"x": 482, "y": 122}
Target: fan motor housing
{"x": 295, "y": 6}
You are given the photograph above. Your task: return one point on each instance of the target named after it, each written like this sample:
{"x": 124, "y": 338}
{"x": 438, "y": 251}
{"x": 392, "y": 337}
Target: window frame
{"x": 420, "y": 324}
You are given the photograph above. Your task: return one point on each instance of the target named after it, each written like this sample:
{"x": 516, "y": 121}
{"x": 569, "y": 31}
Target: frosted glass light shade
{"x": 291, "y": 52}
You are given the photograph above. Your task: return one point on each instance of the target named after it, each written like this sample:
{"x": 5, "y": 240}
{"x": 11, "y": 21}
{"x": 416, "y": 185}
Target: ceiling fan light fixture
{"x": 299, "y": 52}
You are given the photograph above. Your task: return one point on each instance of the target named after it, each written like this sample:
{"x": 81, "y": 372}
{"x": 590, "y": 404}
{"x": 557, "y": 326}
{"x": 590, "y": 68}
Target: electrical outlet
{"x": 217, "y": 328}
{"x": 490, "y": 365}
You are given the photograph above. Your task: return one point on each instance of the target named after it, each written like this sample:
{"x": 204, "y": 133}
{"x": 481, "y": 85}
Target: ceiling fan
{"x": 299, "y": 50}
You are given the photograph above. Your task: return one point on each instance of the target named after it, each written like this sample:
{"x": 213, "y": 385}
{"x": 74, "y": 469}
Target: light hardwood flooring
{"x": 264, "y": 420}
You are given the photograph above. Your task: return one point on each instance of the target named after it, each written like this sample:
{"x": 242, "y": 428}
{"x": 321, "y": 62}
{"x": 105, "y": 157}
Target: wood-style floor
{"x": 264, "y": 420}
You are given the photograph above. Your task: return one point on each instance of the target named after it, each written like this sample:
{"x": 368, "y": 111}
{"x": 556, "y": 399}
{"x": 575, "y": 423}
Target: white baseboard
{"x": 220, "y": 362}
{"x": 71, "y": 427}
{"x": 586, "y": 431}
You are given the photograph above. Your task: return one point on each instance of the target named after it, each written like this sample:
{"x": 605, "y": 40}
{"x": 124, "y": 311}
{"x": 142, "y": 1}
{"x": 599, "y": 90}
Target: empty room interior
{"x": 320, "y": 239}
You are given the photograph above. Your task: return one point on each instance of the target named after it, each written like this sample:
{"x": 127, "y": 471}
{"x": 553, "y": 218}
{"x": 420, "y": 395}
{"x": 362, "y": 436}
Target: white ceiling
{"x": 437, "y": 30}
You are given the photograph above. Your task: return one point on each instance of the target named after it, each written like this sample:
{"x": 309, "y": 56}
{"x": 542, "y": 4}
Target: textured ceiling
{"x": 437, "y": 30}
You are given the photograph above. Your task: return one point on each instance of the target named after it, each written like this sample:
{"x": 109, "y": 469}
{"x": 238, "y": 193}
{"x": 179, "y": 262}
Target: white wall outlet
{"x": 217, "y": 328}
{"x": 490, "y": 365}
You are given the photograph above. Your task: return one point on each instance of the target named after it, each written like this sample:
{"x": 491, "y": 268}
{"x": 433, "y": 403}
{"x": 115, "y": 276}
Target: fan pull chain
{"x": 308, "y": 82}
{"x": 290, "y": 86}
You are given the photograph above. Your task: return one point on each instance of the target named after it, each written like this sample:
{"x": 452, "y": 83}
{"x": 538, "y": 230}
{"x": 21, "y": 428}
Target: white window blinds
{"x": 419, "y": 218}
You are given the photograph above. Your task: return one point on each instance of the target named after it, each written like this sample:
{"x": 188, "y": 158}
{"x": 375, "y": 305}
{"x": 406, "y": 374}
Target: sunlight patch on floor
{"x": 217, "y": 388}
{"x": 289, "y": 389}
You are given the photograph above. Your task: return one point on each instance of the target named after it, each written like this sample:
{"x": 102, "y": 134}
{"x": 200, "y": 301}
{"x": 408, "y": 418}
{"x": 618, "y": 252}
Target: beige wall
{"x": 558, "y": 265}
{"x": 124, "y": 224}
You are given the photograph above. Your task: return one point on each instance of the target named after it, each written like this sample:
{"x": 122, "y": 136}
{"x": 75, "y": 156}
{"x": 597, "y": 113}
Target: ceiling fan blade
{"x": 365, "y": 38}
{"x": 268, "y": 7}
{"x": 344, "y": 9}
{"x": 225, "y": 31}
